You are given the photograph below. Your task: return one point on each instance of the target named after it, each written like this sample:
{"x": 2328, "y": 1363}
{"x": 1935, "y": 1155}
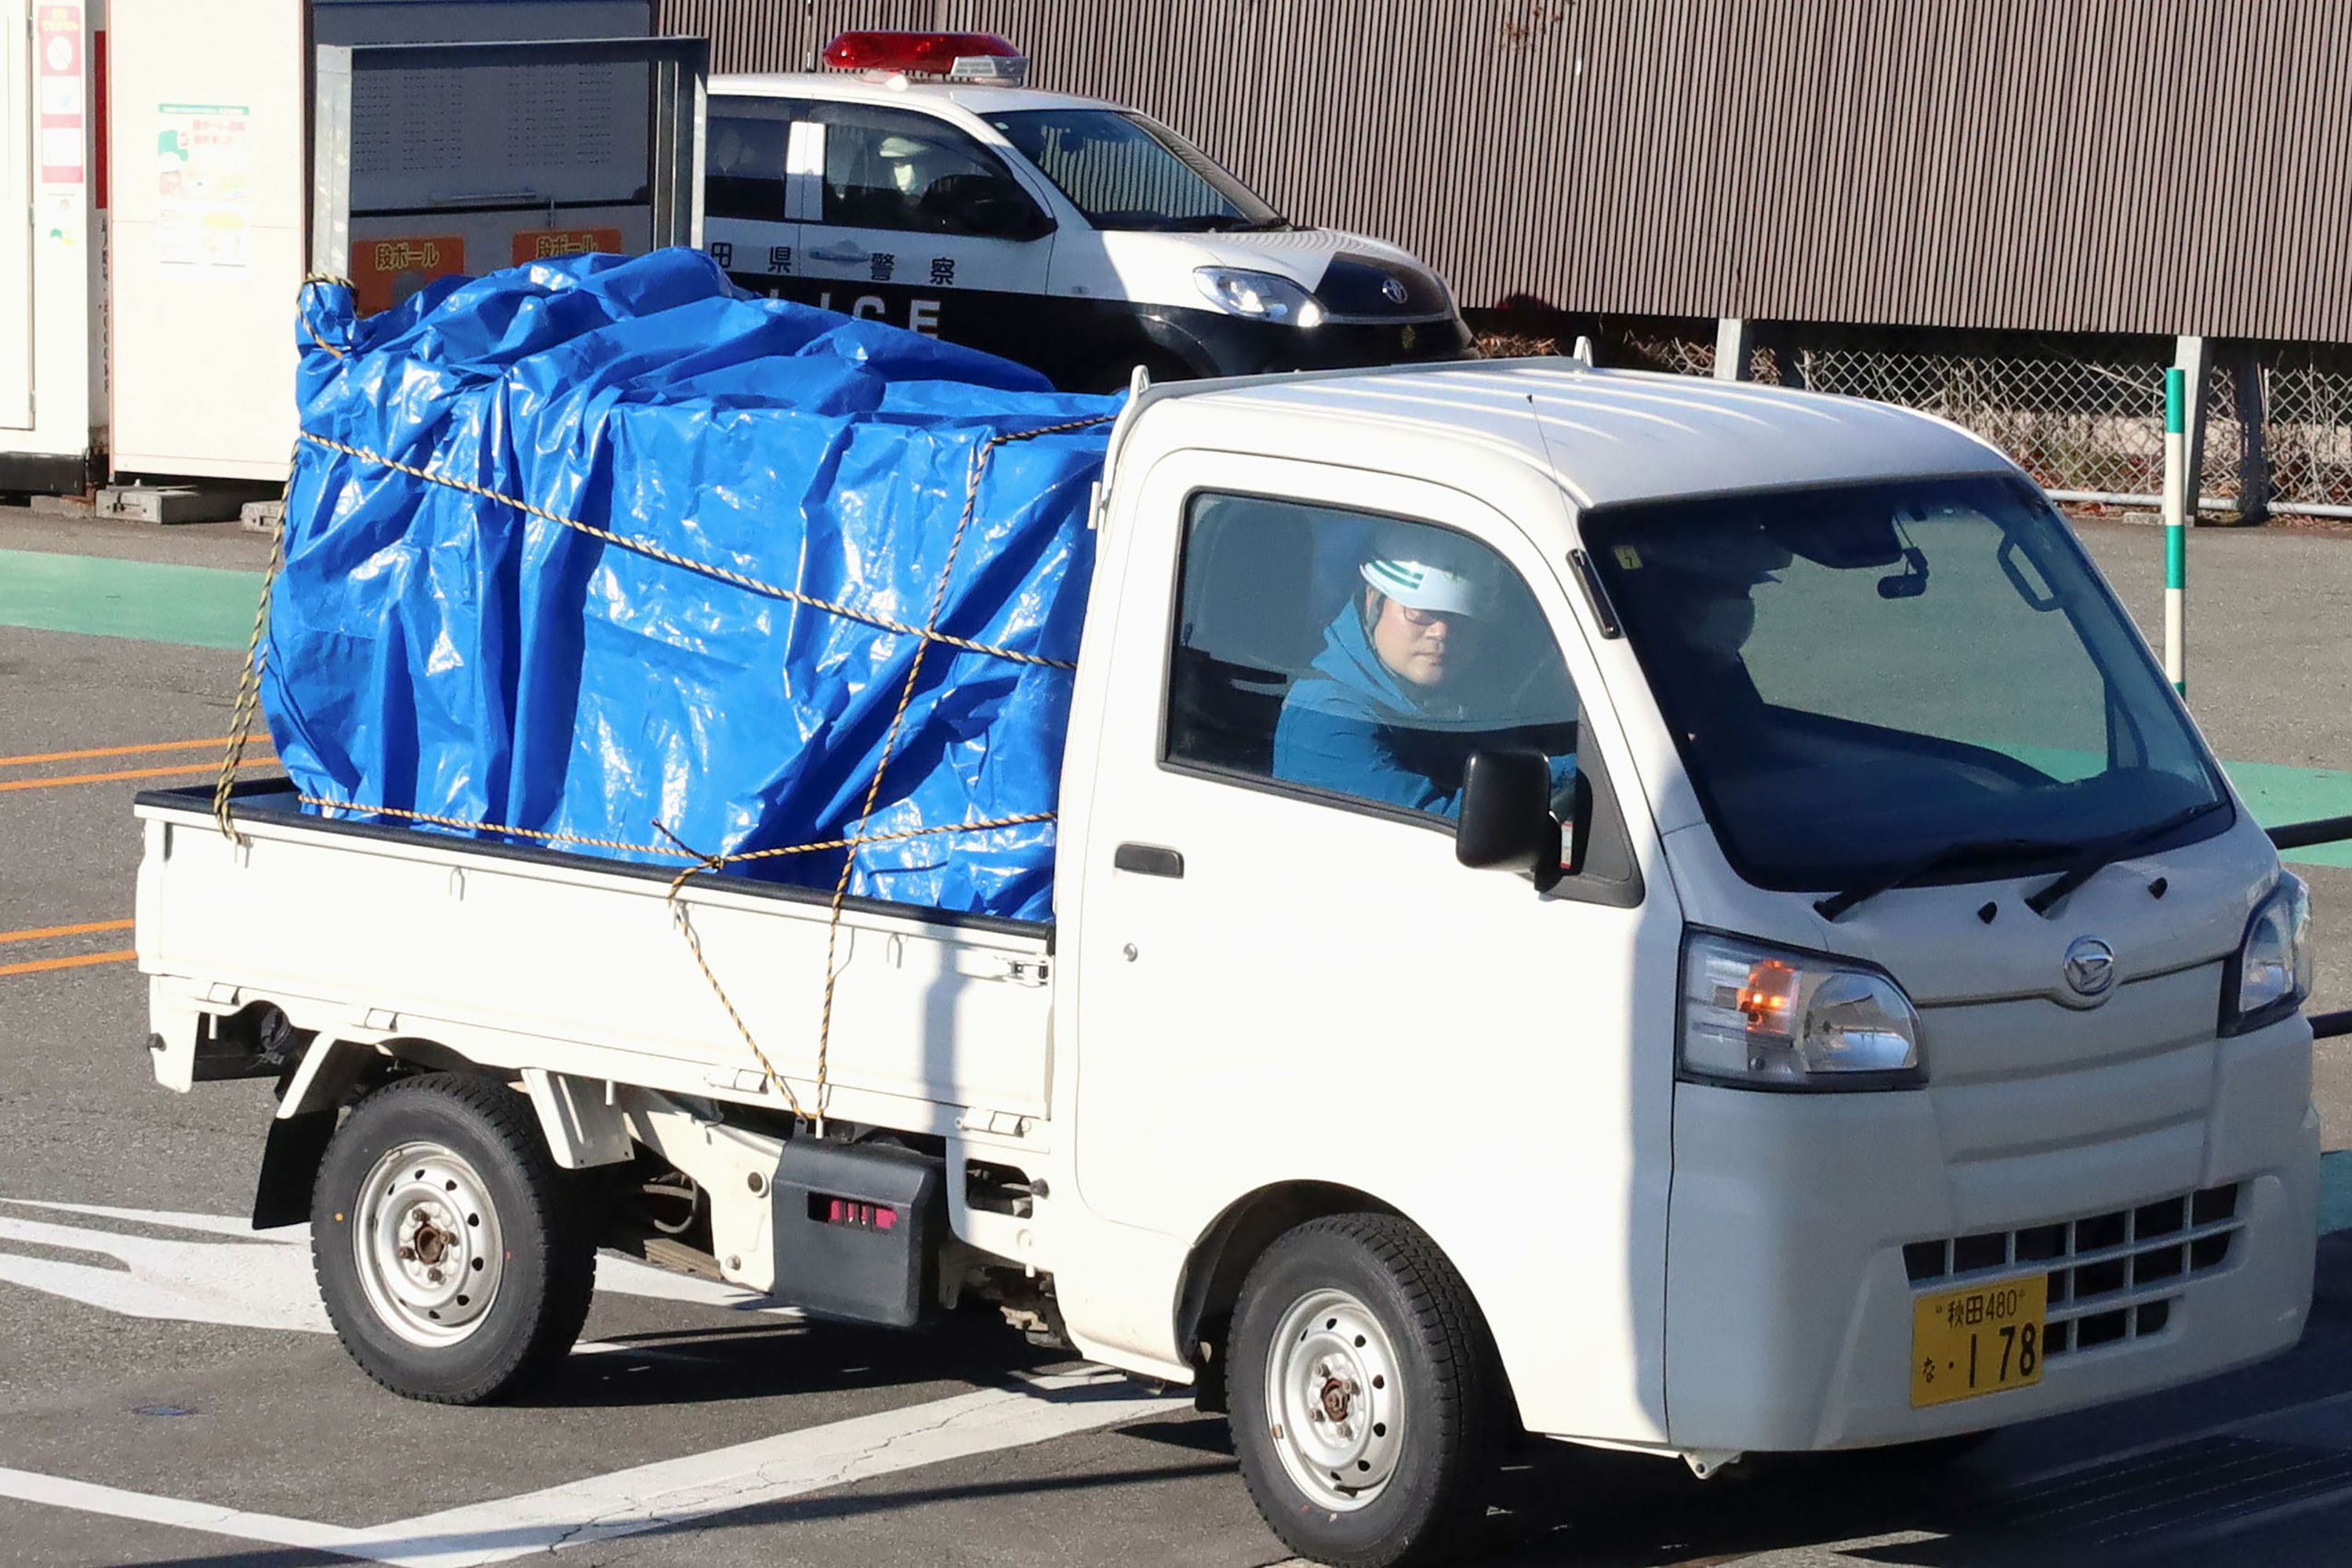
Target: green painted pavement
{"x": 2335, "y": 1191}
{"x": 98, "y": 596}
{"x": 2278, "y": 794}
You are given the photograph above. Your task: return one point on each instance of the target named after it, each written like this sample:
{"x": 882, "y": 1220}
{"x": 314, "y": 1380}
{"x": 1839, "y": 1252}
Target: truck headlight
{"x": 1262, "y": 296}
{"x": 2270, "y": 975}
{"x": 1766, "y": 1018}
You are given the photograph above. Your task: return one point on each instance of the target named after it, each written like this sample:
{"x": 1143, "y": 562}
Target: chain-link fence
{"x": 2084, "y": 418}
{"x": 2305, "y": 424}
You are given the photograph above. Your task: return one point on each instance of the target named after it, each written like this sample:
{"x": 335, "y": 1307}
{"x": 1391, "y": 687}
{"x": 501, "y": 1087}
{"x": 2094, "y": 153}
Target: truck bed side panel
{"x": 391, "y": 932}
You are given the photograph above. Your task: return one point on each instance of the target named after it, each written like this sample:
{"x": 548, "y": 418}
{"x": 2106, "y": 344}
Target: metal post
{"x": 2177, "y": 480}
{"x": 1734, "y": 338}
{"x": 2251, "y": 396}
{"x": 2194, "y": 356}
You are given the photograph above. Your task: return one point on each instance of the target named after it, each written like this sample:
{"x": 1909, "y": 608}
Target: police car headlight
{"x": 2271, "y": 974}
{"x": 1262, "y": 296}
{"x": 1764, "y": 1018}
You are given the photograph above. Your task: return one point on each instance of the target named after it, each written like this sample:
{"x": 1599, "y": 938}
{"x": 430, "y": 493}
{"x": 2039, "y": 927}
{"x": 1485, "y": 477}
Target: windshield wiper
{"x": 1951, "y": 858}
{"x": 2096, "y": 857}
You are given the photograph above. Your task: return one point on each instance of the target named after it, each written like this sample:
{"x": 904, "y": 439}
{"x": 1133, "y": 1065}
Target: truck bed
{"x": 514, "y": 956}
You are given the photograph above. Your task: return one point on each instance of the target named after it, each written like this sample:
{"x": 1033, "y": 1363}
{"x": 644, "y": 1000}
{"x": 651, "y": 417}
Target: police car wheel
{"x": 455, "y": 1258}
{"x": 1364, "y": 1393}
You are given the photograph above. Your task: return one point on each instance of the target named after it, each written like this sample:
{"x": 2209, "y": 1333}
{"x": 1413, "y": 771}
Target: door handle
{"x": 1148, "y": 860}
{"x": 842, "y": 258}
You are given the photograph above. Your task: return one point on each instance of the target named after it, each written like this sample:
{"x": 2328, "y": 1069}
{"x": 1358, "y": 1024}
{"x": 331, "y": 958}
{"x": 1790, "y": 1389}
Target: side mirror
{"x": 998, "y": 212}
{"x": 1506, "y": 822}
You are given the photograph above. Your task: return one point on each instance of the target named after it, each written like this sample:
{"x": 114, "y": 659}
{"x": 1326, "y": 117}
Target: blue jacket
{"x": 1352, "y": 727}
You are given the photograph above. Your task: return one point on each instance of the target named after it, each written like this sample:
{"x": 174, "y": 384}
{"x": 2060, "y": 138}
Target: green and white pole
{"x": 2175, "y": 529}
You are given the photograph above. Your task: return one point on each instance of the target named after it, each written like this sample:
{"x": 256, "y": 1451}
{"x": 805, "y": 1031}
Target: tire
{"x": 454, "y": 1255}
{"x": 1358, "y": 1325}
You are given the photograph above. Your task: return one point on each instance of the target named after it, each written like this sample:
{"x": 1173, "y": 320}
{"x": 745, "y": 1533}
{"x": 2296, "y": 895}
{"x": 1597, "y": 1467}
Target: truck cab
{"x": 1899, "y": 1039}
{"x": 923, "y": 185}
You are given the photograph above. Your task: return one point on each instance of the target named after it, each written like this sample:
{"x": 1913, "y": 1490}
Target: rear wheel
{"x": 1363, "y": 1392}
{"x": 452, "y": 1252}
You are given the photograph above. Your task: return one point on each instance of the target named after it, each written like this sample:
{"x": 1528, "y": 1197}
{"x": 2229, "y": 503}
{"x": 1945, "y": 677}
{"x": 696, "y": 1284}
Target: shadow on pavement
{"x": 761, "y": 1361}
{"x": 2252, "y": 1467}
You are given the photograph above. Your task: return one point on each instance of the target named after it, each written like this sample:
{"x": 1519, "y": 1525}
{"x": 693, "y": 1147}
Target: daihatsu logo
{"x": 2090, "y": 967}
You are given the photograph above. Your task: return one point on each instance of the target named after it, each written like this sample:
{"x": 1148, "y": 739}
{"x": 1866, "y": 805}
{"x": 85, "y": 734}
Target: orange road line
{"x": 83, "y": 962}
{"x": 43, "y": 933}
{"x": 126, "y": 773}
{"x": 109, "y": 751}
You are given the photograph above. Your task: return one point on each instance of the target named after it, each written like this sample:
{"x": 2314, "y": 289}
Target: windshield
{"x": 1126, "y": 172}
{"x": 1861, "y": 680}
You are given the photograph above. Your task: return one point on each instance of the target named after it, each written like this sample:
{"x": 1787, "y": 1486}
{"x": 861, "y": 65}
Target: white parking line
{"x": 770, "y": 1470}
{"x": 30, "y": 1485}
{"x": 264, "y": 1282}
{"x": 669, "y": 1493}
{"x": 248, "y": 1279}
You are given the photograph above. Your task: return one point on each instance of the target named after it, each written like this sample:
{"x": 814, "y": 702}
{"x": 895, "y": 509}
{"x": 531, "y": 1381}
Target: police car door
{"x": 750, "y": 221}
{"x": 921, "y": 226}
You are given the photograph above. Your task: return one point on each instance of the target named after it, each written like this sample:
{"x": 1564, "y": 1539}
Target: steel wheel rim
{"x": 1334, "y": 1401}
{"x": 430, "y": 1252}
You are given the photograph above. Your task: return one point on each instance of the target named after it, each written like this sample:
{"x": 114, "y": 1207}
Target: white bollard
{"x": 2178, "y": 499}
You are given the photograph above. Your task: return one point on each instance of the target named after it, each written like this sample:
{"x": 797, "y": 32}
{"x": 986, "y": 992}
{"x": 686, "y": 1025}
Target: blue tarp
{"x": 437, "y": 651}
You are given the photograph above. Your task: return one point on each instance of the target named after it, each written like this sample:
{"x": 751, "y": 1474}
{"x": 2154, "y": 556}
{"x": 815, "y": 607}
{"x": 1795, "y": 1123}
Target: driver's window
{"x": 1357, "y": 657}
{"x": 887, "y": 168}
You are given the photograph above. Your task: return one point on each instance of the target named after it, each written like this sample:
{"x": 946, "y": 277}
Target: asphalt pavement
{"x": 169, "y": 1392}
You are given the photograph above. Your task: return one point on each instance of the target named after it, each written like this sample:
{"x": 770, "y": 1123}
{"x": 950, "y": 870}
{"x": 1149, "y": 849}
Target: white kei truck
{"x": 1826, "y": 996}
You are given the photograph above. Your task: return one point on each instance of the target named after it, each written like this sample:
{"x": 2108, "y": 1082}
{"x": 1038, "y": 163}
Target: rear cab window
{"x": 745, "y": 145}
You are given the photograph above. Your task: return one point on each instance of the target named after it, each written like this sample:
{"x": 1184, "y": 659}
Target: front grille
{"x": 2113, "y": 1276}
{"x": 1354, "y": 287}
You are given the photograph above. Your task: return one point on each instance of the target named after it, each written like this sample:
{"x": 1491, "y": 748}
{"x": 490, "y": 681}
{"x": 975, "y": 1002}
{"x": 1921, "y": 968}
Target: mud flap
{"x": 290, "y": 1168}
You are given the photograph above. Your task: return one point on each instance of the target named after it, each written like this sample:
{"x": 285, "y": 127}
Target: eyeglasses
{"x": 1413, "y": 618}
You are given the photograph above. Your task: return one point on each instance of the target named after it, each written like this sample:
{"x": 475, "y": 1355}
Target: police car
{"x": 920, "y": 184}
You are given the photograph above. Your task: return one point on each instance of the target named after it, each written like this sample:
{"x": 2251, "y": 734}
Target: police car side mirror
{"x": 998, "y": 211}
{"x": 1506, "y": 822}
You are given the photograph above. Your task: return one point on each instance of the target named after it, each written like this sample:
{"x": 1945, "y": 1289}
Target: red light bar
{"x": 917, "y": 54}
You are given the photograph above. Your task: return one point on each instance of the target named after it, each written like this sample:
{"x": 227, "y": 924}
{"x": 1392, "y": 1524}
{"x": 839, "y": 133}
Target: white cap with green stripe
{"x": 1424, "y": 573}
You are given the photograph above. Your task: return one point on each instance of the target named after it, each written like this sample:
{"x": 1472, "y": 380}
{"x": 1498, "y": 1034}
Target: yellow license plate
{"x": 1978, "y": 1341}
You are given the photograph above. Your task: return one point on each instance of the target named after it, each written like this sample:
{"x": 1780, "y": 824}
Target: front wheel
{"x": 452, "y": 1252}
{"x": 1363, "y": 1393}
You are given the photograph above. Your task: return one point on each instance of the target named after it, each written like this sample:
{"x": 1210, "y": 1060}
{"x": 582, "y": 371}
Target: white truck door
{"x": 921, "y": 226}
{"x": 1283, "y": 974}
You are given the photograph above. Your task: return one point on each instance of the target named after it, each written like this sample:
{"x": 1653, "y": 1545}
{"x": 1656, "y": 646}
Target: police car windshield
{"x": 1128, "y": 171}
{"x": 1860, "y": 679}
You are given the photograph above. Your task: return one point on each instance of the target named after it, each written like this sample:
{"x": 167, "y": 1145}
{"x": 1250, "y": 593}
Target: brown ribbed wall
{"x": 2006, "y": 164}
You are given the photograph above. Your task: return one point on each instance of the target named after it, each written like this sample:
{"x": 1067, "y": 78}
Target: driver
{"x": 1387, "y": 712}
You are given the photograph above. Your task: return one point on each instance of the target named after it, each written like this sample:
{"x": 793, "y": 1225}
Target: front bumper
{"x": 1219, "y": 344}
{"x": 1788, "y": 1302}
